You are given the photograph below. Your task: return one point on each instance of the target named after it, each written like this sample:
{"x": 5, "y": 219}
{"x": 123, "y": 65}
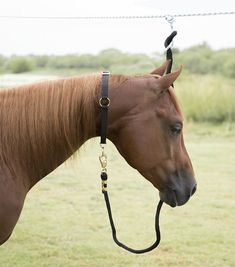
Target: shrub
{"x": 19, "y": 65}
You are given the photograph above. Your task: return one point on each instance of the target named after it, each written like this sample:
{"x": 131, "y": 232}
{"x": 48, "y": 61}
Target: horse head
{"x": 146, "y": 125}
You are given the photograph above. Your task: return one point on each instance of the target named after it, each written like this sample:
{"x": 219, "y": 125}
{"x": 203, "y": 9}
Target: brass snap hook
{"x": 103, "y": 160}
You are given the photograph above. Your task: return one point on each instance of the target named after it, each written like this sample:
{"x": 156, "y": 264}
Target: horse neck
{"x": 44, "y": 124}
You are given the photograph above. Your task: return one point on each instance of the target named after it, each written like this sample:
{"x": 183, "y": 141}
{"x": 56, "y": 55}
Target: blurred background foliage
{"x": 206, "y": 87}
{"x": 200, "y": 59}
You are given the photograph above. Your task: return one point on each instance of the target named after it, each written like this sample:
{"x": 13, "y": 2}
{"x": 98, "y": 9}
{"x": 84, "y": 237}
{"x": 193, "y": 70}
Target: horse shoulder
{"x": 12, "y": 196}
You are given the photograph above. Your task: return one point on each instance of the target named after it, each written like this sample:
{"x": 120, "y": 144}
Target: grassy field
{"x": 64, "y": 221}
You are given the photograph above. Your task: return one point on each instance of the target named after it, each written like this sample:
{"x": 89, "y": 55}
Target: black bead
{"x": 104, "y": 176}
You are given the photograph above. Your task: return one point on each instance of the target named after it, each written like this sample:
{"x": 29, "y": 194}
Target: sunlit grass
{"x": 207, "y": 98}
{"x": 64, "y": 221}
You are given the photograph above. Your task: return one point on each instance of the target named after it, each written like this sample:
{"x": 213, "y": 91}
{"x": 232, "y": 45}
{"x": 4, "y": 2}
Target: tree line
{"x": 200, "y": 59}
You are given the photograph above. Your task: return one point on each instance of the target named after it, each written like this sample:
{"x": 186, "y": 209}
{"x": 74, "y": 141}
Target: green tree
{"x": 19, "y": 65}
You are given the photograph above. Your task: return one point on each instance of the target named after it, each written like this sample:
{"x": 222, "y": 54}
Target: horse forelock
{"x": 175, "y": 101}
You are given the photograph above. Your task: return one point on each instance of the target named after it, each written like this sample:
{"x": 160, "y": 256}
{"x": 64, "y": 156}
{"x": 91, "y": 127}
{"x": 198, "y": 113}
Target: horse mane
{"x": 41, "y": 121}
{"x": 44, "y": 123}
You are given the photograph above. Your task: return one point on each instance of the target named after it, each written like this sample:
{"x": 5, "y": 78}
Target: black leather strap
{"x": 104, "y": 104}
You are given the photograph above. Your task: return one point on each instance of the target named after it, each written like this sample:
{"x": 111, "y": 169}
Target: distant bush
{"x": 2, "y": 63}
{"x": 196, "y": 59}
{"x": 206, "y": 86}
{"x": 19, "y": 65}
{"x": 41, "y": 61}
{"x": 199, "y": 59}
{"x": 229, "y": 67}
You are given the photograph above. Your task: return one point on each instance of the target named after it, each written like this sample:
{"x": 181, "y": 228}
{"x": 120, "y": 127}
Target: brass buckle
{"x": 104, "y": 102}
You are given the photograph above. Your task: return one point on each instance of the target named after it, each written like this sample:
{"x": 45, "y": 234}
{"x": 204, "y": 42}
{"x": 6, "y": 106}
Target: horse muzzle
{"x": 177, "y": 197}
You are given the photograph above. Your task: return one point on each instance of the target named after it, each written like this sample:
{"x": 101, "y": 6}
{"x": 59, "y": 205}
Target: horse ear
{"x": 161, "y": 70}
{"x": 168, "y": 79}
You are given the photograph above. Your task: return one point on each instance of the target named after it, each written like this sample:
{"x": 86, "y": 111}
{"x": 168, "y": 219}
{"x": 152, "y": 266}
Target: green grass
{"x": 208, "y": 98}
{"x": 64, "y": 221}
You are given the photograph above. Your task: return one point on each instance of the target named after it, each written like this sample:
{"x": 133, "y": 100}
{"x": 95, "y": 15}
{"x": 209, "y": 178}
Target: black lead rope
{"x": 114, "y": 233}
{"x": 169, "y": 54}
{"x": 104, "y": 104}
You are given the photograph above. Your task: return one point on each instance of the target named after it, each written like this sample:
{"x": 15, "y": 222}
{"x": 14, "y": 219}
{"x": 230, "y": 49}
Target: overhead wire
{"x": 118, "y": 17}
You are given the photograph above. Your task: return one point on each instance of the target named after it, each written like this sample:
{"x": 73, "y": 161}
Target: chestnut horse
{"x": 43, "y": 124}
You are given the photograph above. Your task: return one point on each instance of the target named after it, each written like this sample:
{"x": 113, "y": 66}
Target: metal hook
{"x": 170, "y": 19}
{"x": 103, "y": 159}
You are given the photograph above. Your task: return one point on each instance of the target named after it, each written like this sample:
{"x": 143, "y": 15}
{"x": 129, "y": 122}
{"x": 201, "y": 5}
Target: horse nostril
{"x": 194, "y": 189}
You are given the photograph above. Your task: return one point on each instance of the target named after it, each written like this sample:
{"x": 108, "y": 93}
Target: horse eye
{"x": 176, "y": 129}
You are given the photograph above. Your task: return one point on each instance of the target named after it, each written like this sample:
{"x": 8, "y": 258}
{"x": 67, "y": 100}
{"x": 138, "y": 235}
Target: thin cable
{"x": 117, "y": 17}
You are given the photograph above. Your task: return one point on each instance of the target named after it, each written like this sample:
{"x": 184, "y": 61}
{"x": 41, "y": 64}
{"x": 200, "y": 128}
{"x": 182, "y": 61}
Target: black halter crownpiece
{"x": 104, "y": 104}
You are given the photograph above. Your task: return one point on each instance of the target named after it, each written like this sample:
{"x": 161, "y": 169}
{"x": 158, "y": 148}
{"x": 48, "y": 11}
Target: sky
{"x": 134, "y": 36}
